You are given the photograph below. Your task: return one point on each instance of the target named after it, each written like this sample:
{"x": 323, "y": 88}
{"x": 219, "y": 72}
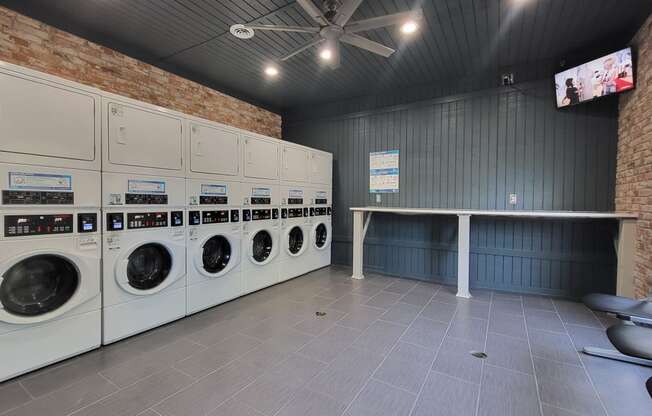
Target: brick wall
{"x": 32, "y": 44}
{"x": 634, "y": 164}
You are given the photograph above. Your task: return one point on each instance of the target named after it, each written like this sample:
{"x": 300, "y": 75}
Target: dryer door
{"x": 38, "y": 284}
{"x": 216, "y": 254}
{"x": 148, "y": 266}
{"x": 295, "y": 241}
{"x": 261, "y": 246}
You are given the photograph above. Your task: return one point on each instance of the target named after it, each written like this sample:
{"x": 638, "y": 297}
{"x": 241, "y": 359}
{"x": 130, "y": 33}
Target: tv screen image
{"x": 604, "y": 76}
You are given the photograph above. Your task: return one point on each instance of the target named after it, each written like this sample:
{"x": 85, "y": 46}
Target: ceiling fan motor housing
{"x": 330, "y": 9}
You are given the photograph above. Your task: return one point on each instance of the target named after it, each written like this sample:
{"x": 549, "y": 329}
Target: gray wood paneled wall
{"x": 472, "y": 151}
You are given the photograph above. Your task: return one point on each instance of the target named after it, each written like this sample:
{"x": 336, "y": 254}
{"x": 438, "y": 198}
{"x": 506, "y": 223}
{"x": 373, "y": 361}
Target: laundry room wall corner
{"x": 30, "y": 43}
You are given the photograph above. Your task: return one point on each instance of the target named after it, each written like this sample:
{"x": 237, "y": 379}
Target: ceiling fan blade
{"x": 278, "y": 28}
{"x": 346, "y": 11}
{"x": 302, "y": 48}
{"x": 382, "y": 21}
{"x": 314, "y": 12}
{"x": 366, "y": 44}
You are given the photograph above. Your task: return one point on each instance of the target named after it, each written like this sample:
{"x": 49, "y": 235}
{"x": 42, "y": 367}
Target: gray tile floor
{"x": 386, "y": 346}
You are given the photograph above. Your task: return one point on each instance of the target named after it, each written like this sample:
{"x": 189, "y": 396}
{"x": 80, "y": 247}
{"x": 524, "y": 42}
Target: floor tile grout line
{"x": 99, "y": 373}
{"x": 534, "y": 369}
{"x": 586, "y": 371}
{"x": 147, "y": 334}
{"x": 195, "y": 380}
{"x": 486, "y": 338}
{"x": 434, "y": 358}
{"x": 222, "y": 367}
{"x": 411, "y": 393}
{"x": 398, "y": 340}
{"x": 305, "y": 385}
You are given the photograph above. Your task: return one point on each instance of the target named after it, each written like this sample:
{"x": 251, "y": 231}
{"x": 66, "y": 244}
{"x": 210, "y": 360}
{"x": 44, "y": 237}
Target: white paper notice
{"x": 383, "y": 172}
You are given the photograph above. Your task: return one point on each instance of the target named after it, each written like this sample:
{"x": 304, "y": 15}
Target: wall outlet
{"x": 378, "y": 199}
{"x": 513, "y": 199}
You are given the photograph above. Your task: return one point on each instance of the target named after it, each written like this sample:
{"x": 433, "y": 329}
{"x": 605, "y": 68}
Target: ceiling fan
{"x": 334, "y": 27}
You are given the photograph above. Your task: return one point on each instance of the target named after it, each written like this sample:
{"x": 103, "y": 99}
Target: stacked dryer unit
{"x": 260, "y": 213}
{"x": 320, "y": 198}
{"x": 295, "y": 209}
{"x": 50, "y": 246}
{"x": 143, "y": 187}
{"x": 214, "y": 241}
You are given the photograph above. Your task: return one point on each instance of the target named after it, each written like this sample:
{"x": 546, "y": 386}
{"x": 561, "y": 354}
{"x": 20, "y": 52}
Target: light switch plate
{"x": 513, "y": 199}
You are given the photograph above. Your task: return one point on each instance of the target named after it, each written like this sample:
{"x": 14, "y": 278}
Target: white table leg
{"x": 626, "y": 251}
{"x": 358, "y": 244}
{"x": 463, "y": 257}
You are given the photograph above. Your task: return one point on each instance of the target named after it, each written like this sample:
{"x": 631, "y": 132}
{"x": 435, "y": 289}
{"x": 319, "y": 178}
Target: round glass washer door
{"x": 295, "y": 240}
{"x": 261, "y": 246}
{"x": 321, "y": 235}
{"x": 38, "y": 284}
{"x": 216, "y": 254}
{"x": 148, "y": 266}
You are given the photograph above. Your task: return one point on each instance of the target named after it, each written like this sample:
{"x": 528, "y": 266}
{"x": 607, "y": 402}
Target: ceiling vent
{"x": 242, "y": 32}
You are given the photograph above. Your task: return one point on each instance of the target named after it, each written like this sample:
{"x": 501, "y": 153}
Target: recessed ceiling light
{"x": 409, "y": 27}
{"x": 326, "y": 54}
{"x": 271, "y": 71}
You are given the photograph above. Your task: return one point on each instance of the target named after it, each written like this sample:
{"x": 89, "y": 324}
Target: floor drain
{"x": 479, "y": 354}
{"x": 320, "y": 313}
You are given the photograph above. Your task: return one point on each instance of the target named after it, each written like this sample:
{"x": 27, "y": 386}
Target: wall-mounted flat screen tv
{"x": 604, "y": 76}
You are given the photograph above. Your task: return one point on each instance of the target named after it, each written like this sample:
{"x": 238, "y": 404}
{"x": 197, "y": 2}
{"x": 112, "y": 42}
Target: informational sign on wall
{"x": 383, "y": 172}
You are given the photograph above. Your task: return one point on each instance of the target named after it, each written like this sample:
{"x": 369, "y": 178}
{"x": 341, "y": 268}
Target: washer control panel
{"x": 139, "y": 220}
{"x": 146, "y": 199}
{"x": 37, "y": 198}
{"x": 295, "y": 213}
{"x": 261, "y": 214}
{"x": 213, "y": 200}
{"x": 27, "y": 225}
{"x": 87, "y": 223}
{"x": 214, "y": 217}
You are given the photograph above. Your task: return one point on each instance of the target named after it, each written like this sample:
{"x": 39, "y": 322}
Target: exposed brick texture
{"x": 32, "y": 44}
{"x": 634, "y": 165}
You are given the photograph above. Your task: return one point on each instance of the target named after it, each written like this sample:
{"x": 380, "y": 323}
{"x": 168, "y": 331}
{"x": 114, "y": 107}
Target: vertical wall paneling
{"x": 472, "y": 151}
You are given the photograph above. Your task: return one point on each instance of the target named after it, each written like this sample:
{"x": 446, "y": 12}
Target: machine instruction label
{"x": 22, "y": 180}
{"x": 210, "y": 189}
{"x": 146, "y": 187}
{"x": 261, "y": 192}
{"x": 384, "y": 172}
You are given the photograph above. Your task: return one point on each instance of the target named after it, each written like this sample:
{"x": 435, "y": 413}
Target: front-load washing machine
{"x": 260, "y": 235}
{"x": 144, "y": 249}
{"x": 321, "y": 233}
{"x": 293, "y": 257}
{"x": 50, "y": 251}
{"x": 214, "y": 243}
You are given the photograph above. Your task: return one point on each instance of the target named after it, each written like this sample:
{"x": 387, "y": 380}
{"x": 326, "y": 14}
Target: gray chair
{"x": 633, "y": 337}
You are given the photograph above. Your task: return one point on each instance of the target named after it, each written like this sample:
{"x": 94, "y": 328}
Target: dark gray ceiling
{"x": 458, "y": 38}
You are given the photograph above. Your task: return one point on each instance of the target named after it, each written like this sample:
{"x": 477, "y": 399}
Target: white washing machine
{"x": 260, "y": 235}
{"x": 50, "y": 246}
{"x": 50, "y": 251}
{"x": 214, "y": 243}
{"x": 144, "y": 249}
{"x": 293, "y": 256}
{"x": 321, "y": 231}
